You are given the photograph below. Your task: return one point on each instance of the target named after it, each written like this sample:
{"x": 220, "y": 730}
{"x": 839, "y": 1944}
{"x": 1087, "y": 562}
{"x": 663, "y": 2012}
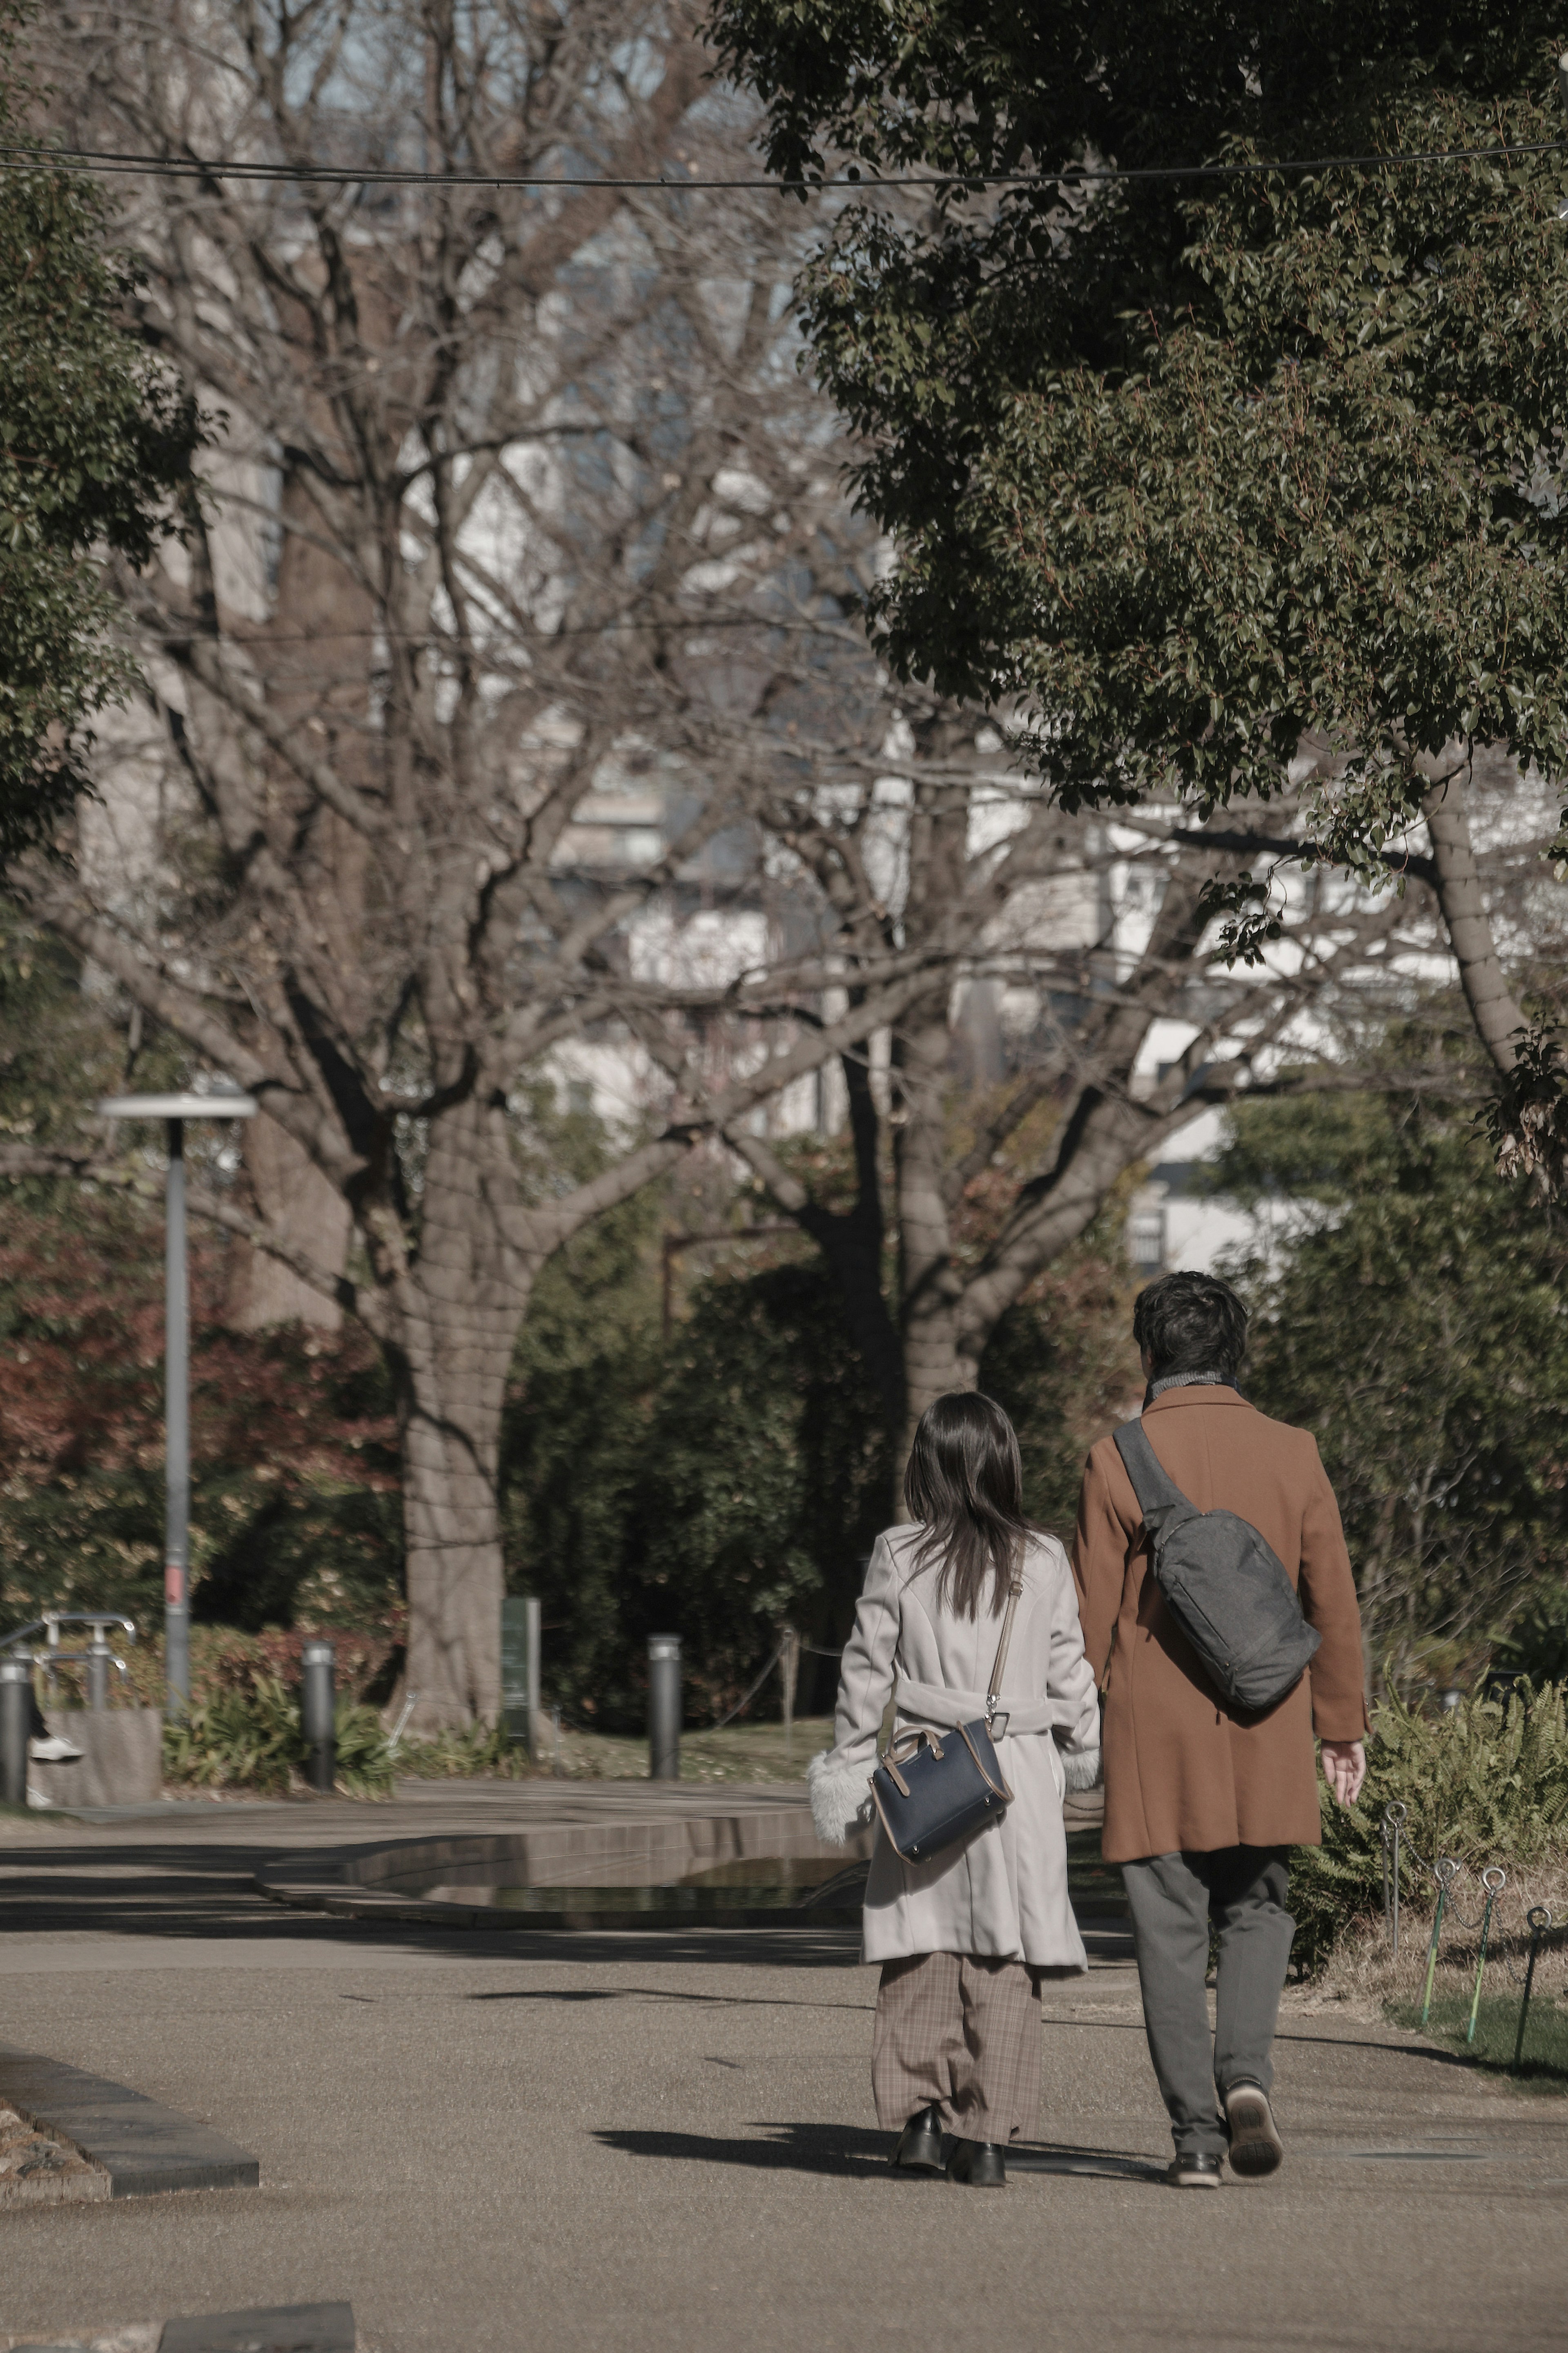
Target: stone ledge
{"x": 286, "y": 2329}
{"x": 377, "y": 1882}
{"x": 279, "y": 2329}
{"x": 142, "y": 2146}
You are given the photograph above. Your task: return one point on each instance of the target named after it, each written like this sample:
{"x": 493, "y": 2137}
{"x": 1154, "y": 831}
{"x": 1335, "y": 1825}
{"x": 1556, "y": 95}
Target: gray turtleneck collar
{"x": 1186, "y": 1381}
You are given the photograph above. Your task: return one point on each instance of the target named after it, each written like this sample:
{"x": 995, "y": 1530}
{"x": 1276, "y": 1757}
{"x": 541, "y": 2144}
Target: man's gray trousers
{"x": 1171, "y": 1898}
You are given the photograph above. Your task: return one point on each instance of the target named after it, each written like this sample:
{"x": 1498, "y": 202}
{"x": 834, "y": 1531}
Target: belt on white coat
{"x": 931, "y": 1704}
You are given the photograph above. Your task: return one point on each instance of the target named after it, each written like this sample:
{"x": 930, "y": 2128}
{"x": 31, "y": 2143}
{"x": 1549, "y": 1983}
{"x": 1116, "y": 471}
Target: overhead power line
{"x": 16, "y": 158}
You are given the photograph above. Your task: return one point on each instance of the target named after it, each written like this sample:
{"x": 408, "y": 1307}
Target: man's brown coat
{"x": 1182, "y": 1772}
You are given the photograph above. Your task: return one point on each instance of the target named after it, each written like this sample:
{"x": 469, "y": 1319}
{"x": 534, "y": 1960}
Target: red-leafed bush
{"x": 294, "y": 1507}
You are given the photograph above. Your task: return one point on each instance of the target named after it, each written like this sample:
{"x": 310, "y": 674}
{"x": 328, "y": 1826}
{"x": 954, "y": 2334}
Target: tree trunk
{"x": 930, "y": 1283}
{"x": 456, "y": 1576}
{"x": 303, "y": 1208}
{"x": 467, "y": 1295}
{"x": 1464, "y": 908}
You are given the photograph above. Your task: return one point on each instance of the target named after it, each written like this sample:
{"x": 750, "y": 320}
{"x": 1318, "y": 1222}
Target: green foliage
{"x": 1410, "y": 1313}
{"x": 1188, "y": 469}
{"x": 711, "y": 1487}
{"x": 1486, "y": 1782}
{"x": 767, "y": 1476}
{"x": 461, "y": 1756}
{"x": 95, "y": 442}
{"x": 1536, "y": 1642}
{"x": 588, "y": 1363}
{"x": 1063, "y": 1365}
{"x": 255, "y": 1740}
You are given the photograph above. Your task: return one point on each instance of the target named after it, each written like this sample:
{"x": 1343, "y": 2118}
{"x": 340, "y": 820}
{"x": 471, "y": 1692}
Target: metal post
{"x": 99, "y": 1659}
{"x": 173, "y": 1111}
{"x": 1444, "y": 1870}
{"x": 16, "y": 1725}
{"x": 177, "y": 1436}
{"x": 1392, "y": 1820}
{"x": 789, "y": 1669}
{"x": 535, "y": 1732}
{"x": 664, "y": 1707}
{"x": 1538, "y": 1920}
{"x": 1494, "y": 1879}
{"x": 318, "y": 1711}
{"x": 519, "y": 1633}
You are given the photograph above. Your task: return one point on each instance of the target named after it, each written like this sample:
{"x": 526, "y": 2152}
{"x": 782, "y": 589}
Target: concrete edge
{"x": 277, "y": 2328}
{"x": 143, "y": 2147}
{"x": 372, "y": 1880}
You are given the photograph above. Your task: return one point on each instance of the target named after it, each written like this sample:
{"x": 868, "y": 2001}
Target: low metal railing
{"x": 97, "y": 1657}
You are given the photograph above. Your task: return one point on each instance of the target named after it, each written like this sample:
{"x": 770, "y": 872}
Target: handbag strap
{"x": 1157, "y": 1492}
{"x": 993, "y": 1688}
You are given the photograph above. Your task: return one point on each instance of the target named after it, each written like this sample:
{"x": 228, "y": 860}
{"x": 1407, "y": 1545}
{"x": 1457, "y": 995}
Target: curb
{"x": 380, "y": 1881}
{"x": 280, "y": 2329}
{"x": 143, "y": 2147}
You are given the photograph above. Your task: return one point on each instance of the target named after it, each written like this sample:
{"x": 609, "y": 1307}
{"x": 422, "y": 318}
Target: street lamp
{"x": 175, "y": 1110}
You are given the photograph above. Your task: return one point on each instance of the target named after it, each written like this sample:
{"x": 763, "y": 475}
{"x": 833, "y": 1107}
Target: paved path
{"x": 640, "y": 2145}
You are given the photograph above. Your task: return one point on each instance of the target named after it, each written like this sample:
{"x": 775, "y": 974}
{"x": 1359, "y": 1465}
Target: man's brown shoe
{"x": 1256, "y": 2148}
{"x": 1194, "y": 2171}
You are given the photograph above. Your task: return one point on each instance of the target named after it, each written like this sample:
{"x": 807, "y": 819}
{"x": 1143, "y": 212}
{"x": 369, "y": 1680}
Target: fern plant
{"x": 255, "y": 1740}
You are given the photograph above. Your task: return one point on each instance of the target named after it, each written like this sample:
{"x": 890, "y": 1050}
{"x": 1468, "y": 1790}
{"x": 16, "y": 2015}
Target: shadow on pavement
{"x": 657, "y": 1994}
{"x": 850, "y": 2152}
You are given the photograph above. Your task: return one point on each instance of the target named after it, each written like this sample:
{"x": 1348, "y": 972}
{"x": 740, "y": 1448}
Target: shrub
{"x": 254, "y": 1738}
{"x": 1409, "y": 1313}
{"x": 1487, "y": 1782}
{"x": 1536, "y": 1644}
{"x": 462, "y": 1755}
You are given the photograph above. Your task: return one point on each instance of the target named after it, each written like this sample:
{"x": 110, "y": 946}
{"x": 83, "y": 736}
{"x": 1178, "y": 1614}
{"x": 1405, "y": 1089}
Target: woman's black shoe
{"x": 919, "y": 2147}
{"x": 979, "y": 2164}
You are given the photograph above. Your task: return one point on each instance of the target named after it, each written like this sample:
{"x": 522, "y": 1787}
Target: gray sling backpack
{"x": 1224, "y": 1583}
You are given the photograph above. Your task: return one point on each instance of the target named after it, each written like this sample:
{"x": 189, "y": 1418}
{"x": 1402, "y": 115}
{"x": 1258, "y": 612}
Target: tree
{"x": 514, "y": 510}
{"x": 95, "y": 444}
{"x": 725, "y": 1470}
{"x": 1097, "y": 1014}
{"x": 293, "y": 1439}
{"x": 1410, "y": 1313}
{"x": 1218, "y": 486}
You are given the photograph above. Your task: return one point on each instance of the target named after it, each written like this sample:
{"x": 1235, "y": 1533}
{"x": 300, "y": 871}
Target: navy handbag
{"x": 931, "y": 1790}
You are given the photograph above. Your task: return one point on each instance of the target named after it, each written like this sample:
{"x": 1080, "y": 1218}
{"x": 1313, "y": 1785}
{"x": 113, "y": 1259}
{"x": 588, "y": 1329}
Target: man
{"x": 1202, "y": 1802}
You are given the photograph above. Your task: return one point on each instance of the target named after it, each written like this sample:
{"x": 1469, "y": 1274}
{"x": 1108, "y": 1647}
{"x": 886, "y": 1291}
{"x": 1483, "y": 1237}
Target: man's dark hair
{"x": 1191, "y": 1324}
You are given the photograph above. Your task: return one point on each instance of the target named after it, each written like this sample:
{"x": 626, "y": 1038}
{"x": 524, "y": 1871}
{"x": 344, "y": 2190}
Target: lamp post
{"x": 173, "y": 1111}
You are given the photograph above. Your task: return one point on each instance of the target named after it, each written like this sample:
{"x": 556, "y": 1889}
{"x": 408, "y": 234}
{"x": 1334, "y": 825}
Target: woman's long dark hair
{"x": 966, "y": 1483}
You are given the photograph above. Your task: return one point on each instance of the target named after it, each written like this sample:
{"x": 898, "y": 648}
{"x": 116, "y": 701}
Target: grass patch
{"x": 1544, "y": 2065}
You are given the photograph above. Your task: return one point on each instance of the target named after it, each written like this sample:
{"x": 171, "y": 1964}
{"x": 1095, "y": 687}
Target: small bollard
{"x": 99, "y": 1659}
{"x": 317, "y": 1712}
{"x": 16, "y": 1725}
{"x": 664, "y": 1707}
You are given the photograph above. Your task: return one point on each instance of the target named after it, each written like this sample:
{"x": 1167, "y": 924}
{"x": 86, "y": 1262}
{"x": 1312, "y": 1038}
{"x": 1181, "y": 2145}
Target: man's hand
{"x": 1344, "y": 1769}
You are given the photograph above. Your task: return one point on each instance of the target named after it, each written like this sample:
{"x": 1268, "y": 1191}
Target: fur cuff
{"x": 840, "y": 1797}
{"x": 1081, "y": 1769}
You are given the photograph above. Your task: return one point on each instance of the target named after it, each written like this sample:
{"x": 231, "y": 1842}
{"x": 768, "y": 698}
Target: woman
{"x": 961, "y": 1939}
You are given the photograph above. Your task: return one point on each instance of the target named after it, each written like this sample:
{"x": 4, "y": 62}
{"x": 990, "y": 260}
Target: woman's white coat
{"x": 1003, "y": 1893}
